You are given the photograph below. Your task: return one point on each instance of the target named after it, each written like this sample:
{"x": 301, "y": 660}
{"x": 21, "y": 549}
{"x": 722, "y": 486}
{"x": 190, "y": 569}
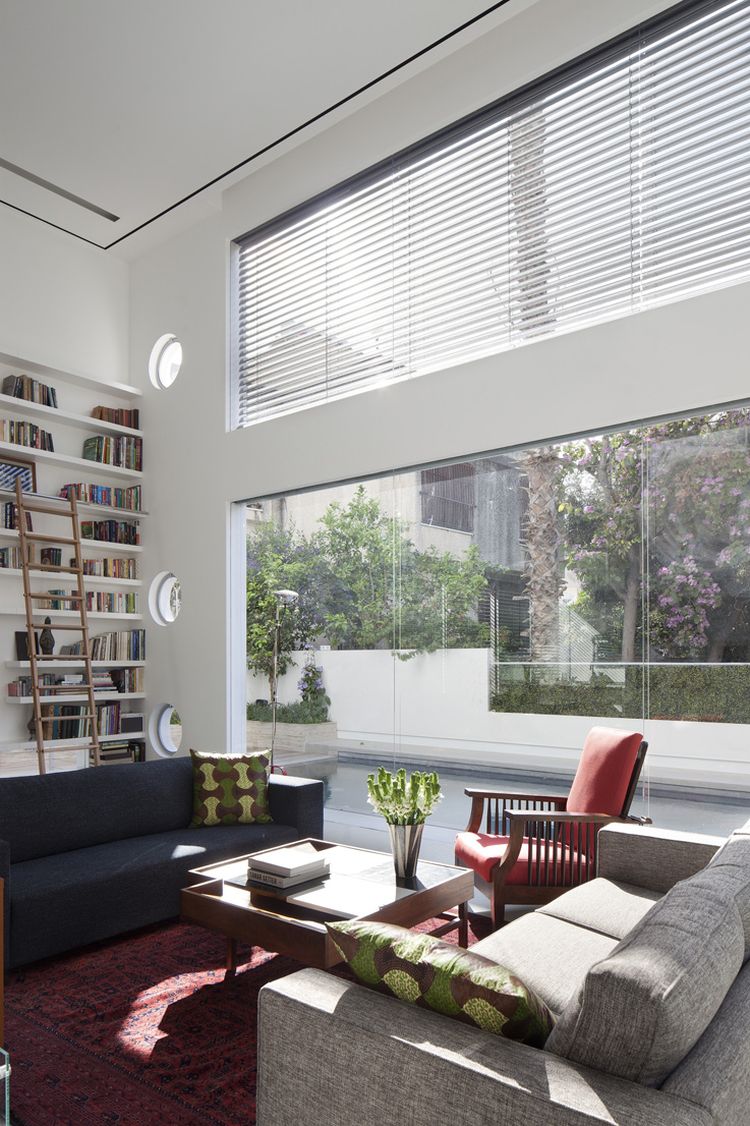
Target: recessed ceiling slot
{"x": 34, "y": 179}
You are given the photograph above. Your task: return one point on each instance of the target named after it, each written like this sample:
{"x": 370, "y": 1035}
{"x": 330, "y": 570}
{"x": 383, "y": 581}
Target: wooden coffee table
{"x": 361, "y": 884}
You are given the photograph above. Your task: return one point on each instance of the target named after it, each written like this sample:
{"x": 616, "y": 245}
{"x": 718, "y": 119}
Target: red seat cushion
{"x": 481, "y": 852}
{"x": 604, "y": 771}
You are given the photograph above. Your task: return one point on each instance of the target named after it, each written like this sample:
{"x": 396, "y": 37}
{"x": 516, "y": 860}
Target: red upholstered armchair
{"x": 529, "y": 848}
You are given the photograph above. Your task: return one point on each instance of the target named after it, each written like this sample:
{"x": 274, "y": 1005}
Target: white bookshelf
{"x": 70, "y": 423}
{"x": 47, "y": 416}
{"x": 70, "y": 580}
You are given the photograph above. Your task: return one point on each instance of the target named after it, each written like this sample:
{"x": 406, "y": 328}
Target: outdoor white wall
{"x": 436, "y": 705}
{"x": 679, "y": 357}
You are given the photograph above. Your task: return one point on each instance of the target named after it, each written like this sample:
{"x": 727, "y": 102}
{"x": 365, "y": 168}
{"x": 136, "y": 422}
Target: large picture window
{"x": 613, "y": 185}
{"x": 605, "y": 579}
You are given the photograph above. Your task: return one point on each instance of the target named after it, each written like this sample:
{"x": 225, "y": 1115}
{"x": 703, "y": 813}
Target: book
{"x": 255, "y": 875}
{"x": 290, "y": 860}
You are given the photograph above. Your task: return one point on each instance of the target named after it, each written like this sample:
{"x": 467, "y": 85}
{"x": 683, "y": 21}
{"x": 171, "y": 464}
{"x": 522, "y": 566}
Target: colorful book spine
{"x": 109, "y": 449}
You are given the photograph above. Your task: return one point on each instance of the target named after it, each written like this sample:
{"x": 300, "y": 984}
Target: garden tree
{"x": 277, "y": 559}
{"x": 698, "y": 495}
{"x": 544, "y": 580}
{"x": 382, "y": 592}
{"x": 602, "y": 486}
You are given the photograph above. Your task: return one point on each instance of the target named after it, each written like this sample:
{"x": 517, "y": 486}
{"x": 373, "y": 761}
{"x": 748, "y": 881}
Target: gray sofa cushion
{"x": 60, "y": 812}
{"x": 716, "y": 1074}
{"x": 644, "y": 1007}
{"x": 603, "y": 905}
{"x": 78, "y": 897}
{"x": 552, "y": 957}
{"x": 732, "y": 863}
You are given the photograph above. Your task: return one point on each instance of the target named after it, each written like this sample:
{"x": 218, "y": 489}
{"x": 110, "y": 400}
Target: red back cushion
{"x": 604, "y": 771}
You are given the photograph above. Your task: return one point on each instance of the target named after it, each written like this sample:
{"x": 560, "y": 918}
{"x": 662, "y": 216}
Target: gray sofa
{"x": 88, "y": 854}
{"x": 651, "y": 990}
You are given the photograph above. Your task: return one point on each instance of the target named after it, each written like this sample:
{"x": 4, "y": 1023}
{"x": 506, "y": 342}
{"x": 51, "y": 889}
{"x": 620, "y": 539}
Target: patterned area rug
{"x": 138, "y": 1031}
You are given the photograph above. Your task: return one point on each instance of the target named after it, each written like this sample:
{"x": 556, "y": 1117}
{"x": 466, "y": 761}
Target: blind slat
{"x": 619, "y": 185}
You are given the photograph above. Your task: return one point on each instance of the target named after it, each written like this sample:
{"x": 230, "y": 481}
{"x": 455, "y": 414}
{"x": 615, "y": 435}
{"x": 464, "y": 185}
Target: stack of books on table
{"x": 288, "y": 866}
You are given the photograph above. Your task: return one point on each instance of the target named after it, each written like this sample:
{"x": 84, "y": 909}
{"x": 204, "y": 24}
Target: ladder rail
{"x": 44, "y": 715}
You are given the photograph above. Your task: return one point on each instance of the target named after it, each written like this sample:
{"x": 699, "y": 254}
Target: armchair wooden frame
{"x": 561, "y": 845}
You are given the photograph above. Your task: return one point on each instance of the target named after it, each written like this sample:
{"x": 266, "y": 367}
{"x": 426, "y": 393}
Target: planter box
{"x": 289, "y": 736}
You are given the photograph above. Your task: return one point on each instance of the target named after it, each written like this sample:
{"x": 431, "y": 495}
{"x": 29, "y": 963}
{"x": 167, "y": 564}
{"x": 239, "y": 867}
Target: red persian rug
{"x": 138, "y": 1031}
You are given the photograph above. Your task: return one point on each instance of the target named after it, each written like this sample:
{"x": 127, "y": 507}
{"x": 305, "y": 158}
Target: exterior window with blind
{"x": 618, "y": 183}
{"x": 448, "y": 497}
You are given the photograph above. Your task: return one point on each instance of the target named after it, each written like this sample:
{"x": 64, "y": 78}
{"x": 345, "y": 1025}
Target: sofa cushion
{"x": 78, "y": 897}
{"x": 229, "y": 789}
{"x": 642, "y": 1008}
{"x": 51, "y": 813}
{"x": 552, "y": 956}
{"x": 603, "y": 905}
{"x": 438, "y": 975}
{"x": 731, "y": 865}
{"x": 716, "y": 1073}
{"x": 482, "y": 851}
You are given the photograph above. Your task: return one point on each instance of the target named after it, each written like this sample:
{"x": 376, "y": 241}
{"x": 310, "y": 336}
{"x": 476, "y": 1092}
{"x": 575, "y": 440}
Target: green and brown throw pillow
{"x": 437, "y": 975}
{"x": 229, "y": 789}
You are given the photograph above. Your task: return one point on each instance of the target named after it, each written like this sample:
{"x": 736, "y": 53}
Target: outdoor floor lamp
{"x": 283, "y": 598}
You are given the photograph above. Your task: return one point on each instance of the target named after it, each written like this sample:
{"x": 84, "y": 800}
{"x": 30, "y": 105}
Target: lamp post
{"x": 283, "y": 598}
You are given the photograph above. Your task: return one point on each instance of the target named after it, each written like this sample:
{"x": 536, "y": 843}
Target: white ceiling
{"x": 132, "y": 105}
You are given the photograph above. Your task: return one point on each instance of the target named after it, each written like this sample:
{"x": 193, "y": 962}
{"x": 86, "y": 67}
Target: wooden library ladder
{"x": 66, "y": 508}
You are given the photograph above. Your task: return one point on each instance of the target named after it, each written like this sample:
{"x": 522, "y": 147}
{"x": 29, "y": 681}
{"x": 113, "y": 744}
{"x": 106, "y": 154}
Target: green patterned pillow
{"x": 229, "y": 789}
{"x": 437, "y": 975}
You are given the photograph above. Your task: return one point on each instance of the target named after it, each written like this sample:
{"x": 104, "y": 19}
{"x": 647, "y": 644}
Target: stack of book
{"x": 25, "y": 434}
{"x": 23, "y": 387}
{"x": 288, "y": 866}
{"x": 118, "y": 415}
{"x": 126, "y": 452}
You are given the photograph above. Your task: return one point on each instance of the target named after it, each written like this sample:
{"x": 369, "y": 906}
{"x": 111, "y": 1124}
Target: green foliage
{"x": 401, "y": 800}
{"x": 362, "y": 585}
{"x": 383, "y": 592}
{"x": 277, "y": 559}
{"x": 301, "y": 711}
{"x": 710, "y": 693}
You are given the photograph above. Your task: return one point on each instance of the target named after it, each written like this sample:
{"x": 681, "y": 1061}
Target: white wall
{"x": 676, "y": 358}
{"x": 437, "y": 705}
{"x": 64, "y": 304}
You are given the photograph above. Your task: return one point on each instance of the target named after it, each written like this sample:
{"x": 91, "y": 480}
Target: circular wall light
{"x": 165, "y": 361}
{"x": 165, "y": 730}
{"x": 165, "y": 598}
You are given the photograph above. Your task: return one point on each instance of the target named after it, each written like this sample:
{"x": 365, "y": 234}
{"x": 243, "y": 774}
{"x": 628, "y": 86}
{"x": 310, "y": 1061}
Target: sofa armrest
{"x": 331, "y": 1051}
{"x": 298, "y": 802}
{"x": 5, "y": 877}
{"x": 651, "y": 858}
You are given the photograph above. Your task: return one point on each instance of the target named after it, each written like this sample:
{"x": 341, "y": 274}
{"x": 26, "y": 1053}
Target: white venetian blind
{"x": 620, "y": 183}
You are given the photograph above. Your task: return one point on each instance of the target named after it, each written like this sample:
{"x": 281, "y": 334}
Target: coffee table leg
{"x": 231, "y": 955}
{"x": 463, "y": 924}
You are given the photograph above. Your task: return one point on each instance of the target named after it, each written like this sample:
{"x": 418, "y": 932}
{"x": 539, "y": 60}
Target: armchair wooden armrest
{"x": 498, "y": 802}
{"x": 556, "y": 853}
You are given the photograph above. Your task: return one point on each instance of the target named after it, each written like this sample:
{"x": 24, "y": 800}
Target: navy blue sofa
{"x": 88, "y": 854}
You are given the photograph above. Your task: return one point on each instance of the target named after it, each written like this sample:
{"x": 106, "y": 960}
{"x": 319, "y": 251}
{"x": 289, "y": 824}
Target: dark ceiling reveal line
{"x": 49, "y": 223}
{"x": 50, "y": 187}
{"x": 317, "y": 117}
{"x": 261, "y": 152}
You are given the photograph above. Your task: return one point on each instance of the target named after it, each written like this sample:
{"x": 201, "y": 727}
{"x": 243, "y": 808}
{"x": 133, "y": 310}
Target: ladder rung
{"x": 73, "y": 596}
{"x": 56, "y": 625}
{"x": 54, "y": 567}
{"x": 60, "y": 656}
{"x": 44, "y": 538}
{"x": 48, "y": 509}
{"x": 64, "y": 718}
{"x": 84, "y": 746}
{"x": 44, "y": 689}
